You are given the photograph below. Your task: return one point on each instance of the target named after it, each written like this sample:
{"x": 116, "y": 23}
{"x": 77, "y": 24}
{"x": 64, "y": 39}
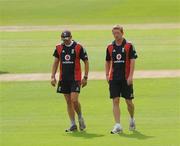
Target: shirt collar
{"x": 123, "y": 42}
{"x": 69, "y": 44}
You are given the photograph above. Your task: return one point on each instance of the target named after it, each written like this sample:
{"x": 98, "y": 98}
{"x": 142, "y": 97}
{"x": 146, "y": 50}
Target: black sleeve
{"x": 108, "y": 57}
{"x": 83, "y": 54}
{"x": 55, "y": 54}
{"x": 132, "y": 53}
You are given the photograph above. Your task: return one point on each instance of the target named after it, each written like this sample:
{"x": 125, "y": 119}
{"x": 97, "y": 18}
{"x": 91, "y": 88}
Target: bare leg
{"x": 130, "y": 107}
{"x": 70, "y": 108}
{"x": 116, "y": 109}
{"x": 77, "y": 108}
{"x": 76, "y": 104}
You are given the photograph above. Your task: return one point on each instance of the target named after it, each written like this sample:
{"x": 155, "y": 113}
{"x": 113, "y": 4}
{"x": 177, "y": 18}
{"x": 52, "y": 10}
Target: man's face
{"x": 66, "y": 40}
{"x": 118, "y": 35}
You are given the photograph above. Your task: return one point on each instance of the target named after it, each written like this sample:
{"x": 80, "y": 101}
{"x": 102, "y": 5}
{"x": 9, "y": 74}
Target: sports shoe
{"x": 132, "y": 125}
{"x": 82, "y": 125}
{"x": 117, "y": 129}
{"x": 72, "y": 128}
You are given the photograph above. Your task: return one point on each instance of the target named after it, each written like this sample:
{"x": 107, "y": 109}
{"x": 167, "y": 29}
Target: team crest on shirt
{"x": 118, "y": 56}
{"x": 67, "y": 57}
{"x": 122, "y": 50}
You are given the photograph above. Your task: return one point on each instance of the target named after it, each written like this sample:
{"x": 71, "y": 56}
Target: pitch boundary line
{"x": 92, "y": 75}
{"x": 147, "y": 26}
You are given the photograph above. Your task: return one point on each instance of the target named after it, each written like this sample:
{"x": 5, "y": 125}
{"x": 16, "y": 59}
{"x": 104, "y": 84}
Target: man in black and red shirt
{"x": 68, "y": 54}
{"x": 120, "y": 62}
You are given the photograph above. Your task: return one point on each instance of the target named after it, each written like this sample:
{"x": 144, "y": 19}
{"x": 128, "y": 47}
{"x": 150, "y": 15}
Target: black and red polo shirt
{"x": 120, "y": 59}
{"x": 69, "y": 56}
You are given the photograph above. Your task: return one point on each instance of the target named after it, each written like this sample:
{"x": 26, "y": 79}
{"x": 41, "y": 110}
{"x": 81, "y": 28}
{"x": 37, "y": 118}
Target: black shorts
{"x": 66, "y": 87}
{"x": 120, "y": 88}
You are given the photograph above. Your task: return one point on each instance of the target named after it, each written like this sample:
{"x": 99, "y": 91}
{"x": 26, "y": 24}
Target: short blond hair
{"x": 118, "y": 27}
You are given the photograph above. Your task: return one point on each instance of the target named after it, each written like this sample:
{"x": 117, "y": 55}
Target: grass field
{"x": 27, "y": 51}
{"x": 54, "y": 12}
{"x": 39, "y": 117}
{"x": 32, "y": 114}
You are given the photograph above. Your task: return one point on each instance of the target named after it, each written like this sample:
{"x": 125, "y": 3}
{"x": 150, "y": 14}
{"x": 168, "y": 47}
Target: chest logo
{"x": 67, "y": 57}
{"x": 118, "y": 56}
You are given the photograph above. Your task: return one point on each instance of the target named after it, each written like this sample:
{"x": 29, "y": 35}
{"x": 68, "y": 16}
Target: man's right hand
{"x": 53, "y": 81}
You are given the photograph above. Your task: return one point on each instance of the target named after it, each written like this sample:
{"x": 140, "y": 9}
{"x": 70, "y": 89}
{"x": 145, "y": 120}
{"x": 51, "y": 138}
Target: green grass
{"x": 32, "y": 51}
{"x": 32, "y": 114}
{"x": 54, "y": 12}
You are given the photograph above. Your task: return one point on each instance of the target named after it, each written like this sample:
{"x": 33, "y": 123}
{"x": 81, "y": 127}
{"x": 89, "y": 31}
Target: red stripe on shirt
{"x": 127, "y": 62}
{"x": 77, "y": 69}
{"x": 59, "y": 50}
{"x": 110, "y": 49}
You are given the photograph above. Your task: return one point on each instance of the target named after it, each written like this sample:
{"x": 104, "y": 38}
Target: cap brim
{"x": 65, "y": 38}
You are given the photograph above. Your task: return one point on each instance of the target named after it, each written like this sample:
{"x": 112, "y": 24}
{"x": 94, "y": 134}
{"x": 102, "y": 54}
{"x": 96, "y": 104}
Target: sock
{"x": 132, "y": 119}
{"x": 118, "y": 125}
{"x": 73, "y": 122}
{"x": 79, "y": 116}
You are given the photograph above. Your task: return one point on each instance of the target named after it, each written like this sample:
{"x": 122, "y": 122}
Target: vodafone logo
{"x": 67, "y": 57}
{"x": 118, "y": 56}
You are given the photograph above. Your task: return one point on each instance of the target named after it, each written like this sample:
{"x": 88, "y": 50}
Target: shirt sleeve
{"x": 55, "y": 54}
{"x": 83, "y": 54}
{"x": 108, "y": 57}
{"x": 132, "y": 53}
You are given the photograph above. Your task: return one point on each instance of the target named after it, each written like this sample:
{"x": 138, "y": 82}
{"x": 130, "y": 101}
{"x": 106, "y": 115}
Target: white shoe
{"x": 132, "y": 125}
{"x": 117, "y": 129}
{"x": 73, "y": 128}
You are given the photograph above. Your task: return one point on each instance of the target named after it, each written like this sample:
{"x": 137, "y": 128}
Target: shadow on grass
{"x": 4, "y": 72}
{"x": 136, "y": 134}
{"x": 85, "y": 134}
